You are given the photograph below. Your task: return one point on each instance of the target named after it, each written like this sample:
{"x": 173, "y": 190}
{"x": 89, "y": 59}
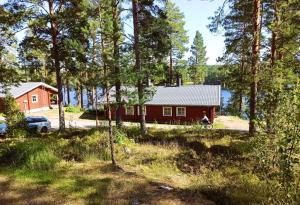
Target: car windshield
{"x": 35, "y": 119}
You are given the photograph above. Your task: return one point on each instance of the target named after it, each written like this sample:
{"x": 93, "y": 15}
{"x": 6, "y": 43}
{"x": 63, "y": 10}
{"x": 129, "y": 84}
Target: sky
{"x": 196, "y": 16}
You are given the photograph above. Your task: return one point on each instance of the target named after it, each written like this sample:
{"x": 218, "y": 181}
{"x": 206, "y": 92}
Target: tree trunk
{"x": 108, "y": 106}
{"x": 110, "y": 132}
{"x": 254, "y": 64}
{"x": 78, "y": 95}
{"x": 68, "y": 92}
{"x": 96, "y": 109}
{"x": 81, "y": 97}
{"x": 171, "y": 68}
{"x": 94, "y": 101}
{"x": 64, "y": 91}
{"x": 272, "y": 102}
{"x": 241, "y": 103}
{"x": 55, "y": 54}
{"x": 241, "y": 81}
{"x": 88, "y": 97}
{"x": 138, "y": 65}
{"x": 116, "y": 57}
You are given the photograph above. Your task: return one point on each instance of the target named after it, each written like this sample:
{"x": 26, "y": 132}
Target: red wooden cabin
{"x": 31, "y": 96}
{"x": 174, "y": 104}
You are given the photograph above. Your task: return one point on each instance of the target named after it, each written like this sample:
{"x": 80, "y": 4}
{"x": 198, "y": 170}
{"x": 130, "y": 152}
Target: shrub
{"x": 277, "y": 146}
{"x": 73, "y": 109}
{"x": 197, "y": 127}
{"x": 32, "y": 154}
{"x": 133, "y": 132}
{"x": 80, "y": 148}
{"x": 42, "y": 160}
{"x": 120, "y": 136}
{"x": 14, "y": 118}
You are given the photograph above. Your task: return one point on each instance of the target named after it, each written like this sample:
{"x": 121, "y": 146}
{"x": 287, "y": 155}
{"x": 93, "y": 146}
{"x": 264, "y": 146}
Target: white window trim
{"x": 184, "y": 115}
{"x": 167, "y": 115}
{"x": 126, "y": 111}
{"x": 36, "y": 97}
{"x": 138, "y": 110}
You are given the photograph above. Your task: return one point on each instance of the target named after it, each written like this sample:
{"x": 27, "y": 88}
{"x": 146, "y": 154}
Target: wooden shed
{"x": 31, "y": 96}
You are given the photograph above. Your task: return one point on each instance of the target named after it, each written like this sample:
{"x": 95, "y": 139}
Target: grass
{"x": 203, "y": 167}
{"x": 73, "y": 109}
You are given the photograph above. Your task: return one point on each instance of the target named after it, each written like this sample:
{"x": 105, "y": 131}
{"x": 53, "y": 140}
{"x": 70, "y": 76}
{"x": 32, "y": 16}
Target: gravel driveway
{"x": 73, "y": 120}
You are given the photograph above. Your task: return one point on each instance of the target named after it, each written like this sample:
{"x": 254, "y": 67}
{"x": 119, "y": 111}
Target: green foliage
{"x": 215, "y": 75}
{"x": 10, "y": 21}
{"x": 278, "y": 145}
{"x": 73, "y": 109}
{"x": 14, "y": 118}
{"x": 197, "y": 61}
{"x": 121, "y": 137}
{"x": 31, "y": 154}
{"x": 79, "y": 148}
{"x": 178, "y": 34}
{"x": 42, "y": 160}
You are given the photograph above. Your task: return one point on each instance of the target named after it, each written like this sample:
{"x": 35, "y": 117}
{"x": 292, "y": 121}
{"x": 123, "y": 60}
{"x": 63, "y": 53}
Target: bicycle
{"x": 207, "y": 126}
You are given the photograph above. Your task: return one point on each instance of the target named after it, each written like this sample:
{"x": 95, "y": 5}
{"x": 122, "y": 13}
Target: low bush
{"x": 121, "y": 137}
{"x": 73, "y": 109}
{"x": 14, "y": 118}
{"x": 133, "y": 132}
{"x": 32, "y": 154}
{"x": 79, "y": 148}
{"x": 42, "y": 160}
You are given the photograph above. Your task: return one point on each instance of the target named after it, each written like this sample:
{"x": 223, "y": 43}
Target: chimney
{"x": 178, "y": 81}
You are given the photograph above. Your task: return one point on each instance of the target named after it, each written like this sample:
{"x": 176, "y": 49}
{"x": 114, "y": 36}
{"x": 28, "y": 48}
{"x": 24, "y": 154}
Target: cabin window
{"x": 129, "y": 110}
{"x": 34, "y": 98}
{"x": 180, "y": 111}
{"x": 144, "y": 108}
{"x": 167, "y": 111}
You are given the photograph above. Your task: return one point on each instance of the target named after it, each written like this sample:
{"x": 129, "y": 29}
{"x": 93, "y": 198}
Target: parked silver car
{"x": 38, "y": 124}
{"x": 34, "y": 124}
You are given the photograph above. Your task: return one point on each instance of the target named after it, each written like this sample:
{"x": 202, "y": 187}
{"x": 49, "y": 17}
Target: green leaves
{"x": 197, "y": 61}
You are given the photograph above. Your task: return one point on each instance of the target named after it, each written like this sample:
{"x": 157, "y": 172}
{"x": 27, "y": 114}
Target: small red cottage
{"x": 31, "y": 96}
{"x": 175, "y": 104}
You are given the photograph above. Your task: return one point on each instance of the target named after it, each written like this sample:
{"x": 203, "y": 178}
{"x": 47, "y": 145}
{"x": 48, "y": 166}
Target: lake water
{"x": 73, "y": 96}
{"x": 225, "y": 94}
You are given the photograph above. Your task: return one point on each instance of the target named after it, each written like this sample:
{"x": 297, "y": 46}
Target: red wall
{"x": 43, "y": 95}
{"x": 155, "y": 113}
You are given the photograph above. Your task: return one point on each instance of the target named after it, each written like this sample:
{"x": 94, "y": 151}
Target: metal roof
{"x": 204, "y": 95}
{"x": 22, "y": 88}
{"x": 188, "y": 95}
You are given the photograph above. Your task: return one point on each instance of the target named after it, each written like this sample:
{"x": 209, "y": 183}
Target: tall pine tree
{"x": 197, "y": 61}
{"x": 178, "y": 38}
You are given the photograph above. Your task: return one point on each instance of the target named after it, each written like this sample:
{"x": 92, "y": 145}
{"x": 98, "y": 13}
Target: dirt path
{"x": 233, "y": 123}
{"x": 73, "y": 121}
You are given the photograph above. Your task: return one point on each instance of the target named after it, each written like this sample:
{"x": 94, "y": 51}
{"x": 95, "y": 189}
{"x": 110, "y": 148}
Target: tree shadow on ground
{"x": 241, "y": 190}
{"x": 91, "y": 115}
{"x": 130, "y": 188}
{"x": 12, "y": 193}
